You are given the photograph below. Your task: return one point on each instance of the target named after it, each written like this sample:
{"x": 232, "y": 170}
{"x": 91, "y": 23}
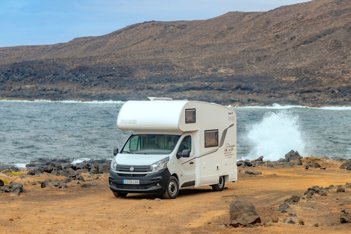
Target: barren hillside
{"x": 295, "y": 54}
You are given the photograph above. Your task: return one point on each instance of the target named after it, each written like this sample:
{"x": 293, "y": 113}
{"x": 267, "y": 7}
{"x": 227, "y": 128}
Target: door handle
{"x": 191, "y": 163}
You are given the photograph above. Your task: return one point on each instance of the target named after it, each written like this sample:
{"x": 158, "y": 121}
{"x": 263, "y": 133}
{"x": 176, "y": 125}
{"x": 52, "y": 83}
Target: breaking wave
{"x": 277, "y": 133}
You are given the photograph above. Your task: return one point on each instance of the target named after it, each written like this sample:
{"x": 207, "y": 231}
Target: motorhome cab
{"x": 174, "y": 145}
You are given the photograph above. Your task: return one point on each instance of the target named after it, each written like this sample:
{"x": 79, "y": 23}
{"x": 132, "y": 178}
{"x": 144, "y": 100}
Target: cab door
{"x": 185, "y": 155}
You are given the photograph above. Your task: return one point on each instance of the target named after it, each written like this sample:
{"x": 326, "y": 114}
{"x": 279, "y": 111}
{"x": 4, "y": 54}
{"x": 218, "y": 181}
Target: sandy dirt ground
{"x": 94, "y": 209}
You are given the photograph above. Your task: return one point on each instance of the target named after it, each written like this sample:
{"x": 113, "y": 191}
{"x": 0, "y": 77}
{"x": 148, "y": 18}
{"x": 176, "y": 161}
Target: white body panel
{"x": 205, "y": 164}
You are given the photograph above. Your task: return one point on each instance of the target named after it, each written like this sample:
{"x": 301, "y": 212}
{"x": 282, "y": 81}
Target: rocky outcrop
{"x": 65, "y": 168}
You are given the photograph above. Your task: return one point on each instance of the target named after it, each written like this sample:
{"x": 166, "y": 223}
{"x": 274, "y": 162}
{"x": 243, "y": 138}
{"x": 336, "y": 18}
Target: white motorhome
{"x": 175, "y": 144}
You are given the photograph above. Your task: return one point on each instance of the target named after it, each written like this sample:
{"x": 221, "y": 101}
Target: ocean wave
{"x": 79, "y": 160}
{"x": 276, "y": 106}
{"x": 336, "y": 108}
{"x": 20, "y": 165}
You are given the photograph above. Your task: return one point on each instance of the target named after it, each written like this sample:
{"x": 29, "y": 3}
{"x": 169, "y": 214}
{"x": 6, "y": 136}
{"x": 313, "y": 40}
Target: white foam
{"x": 275, "y": 135}
{"x": 79, "y": 160}
{"x": 20, "y": 165}
{"x": 274, "y": 106}
{"x": 336, "y": 108}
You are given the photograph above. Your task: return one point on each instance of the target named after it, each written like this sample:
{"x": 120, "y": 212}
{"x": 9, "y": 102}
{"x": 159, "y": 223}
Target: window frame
{"x": 205, "y": 137}
{"x": 192, "y": 111}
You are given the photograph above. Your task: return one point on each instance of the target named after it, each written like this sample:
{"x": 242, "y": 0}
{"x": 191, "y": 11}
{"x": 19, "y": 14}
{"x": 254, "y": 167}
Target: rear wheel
{"x": 172, "y": 188}
{"x": 120, "y": 194}
{"x": 220, "y": 185}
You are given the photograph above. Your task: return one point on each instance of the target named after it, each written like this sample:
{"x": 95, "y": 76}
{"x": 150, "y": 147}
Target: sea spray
{"x": 275, "y": 135}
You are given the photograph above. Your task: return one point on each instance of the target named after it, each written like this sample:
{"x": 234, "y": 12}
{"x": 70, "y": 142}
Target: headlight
{"x": 114, "y": 164}
{"x": 162, "y": 164}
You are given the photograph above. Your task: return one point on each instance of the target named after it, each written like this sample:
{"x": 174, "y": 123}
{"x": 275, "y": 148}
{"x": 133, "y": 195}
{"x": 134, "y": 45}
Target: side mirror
{"x": 115, "y": 151}
{"x": 183, "y": 154}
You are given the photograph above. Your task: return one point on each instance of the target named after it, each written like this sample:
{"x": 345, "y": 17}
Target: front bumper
{"x": 149, "y": 183}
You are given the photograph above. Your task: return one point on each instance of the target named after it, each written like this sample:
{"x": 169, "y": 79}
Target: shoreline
{"x": 277, "y": 106}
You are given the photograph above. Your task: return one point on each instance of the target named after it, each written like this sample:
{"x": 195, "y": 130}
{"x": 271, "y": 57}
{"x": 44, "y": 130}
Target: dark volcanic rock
{"x": 293, "y": 199}
{"x": 346, "y": 165}
{"x": 252, "y": 172}
{"x": 284, "y": 207}
{"x": 63, "y": 167}
{"x": 16, "y": 188}
{"x": 312, "y": 165}
{"x": 340, "y": 189}
{"x": 345, "y": 216}
{"x": 294, "y": 157}
{"x": 5, "y": 167}
{"x": 317, "y": 190}
{"x": 243, "y": 213}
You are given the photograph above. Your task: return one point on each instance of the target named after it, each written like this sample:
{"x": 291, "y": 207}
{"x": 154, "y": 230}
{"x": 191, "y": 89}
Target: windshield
{"x": 150, "y": 144}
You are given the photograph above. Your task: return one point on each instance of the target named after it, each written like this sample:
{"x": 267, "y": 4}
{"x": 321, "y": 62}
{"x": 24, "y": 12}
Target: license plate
{"x": 131, "y": 182}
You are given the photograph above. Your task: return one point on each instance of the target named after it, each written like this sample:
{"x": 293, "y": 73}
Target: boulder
{"x": 312, "y": 190}
{"x": 44, "y": 184}
{"x": 243, "y": 213}
{"x": 294, "y": 157}
{"x": 35, "y": 171}
{"x": 284, "y": 207}
{"x": 293, "y": 199}
{"x": 94, "y": 169}
{"x": 340, "y": 189}
{"x": 346, "y": 165}
{"x": 70, "y": 173}
{"x": 2, "y": 183}
{"x": 294, "y": 220}
{"x": 252, "y": 172}
{"x": 16, "y": 188}
{"x": 312, "y": 165}
{"x": 345, "y": 216}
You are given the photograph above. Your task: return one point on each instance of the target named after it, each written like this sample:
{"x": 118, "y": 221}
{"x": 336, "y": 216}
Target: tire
{"x": 120, "y": 194}
{"x": 171, "y": 189}
{"x": 220, "y": 185}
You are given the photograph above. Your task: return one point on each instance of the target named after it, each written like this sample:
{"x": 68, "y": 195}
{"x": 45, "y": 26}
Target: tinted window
{"x": 185, "y": 144}
{"x": 190, "y": 115}
{"x": 211, "y": 138}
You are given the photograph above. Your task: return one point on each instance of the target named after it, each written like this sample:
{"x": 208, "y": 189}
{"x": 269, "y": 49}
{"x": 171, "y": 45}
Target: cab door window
{"x": 185, "y": 144}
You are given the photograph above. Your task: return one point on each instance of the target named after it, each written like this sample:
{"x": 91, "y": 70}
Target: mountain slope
{"x": 297, "y": 54}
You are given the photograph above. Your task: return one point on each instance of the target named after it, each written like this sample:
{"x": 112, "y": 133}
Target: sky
{"x": 37, "y": 22}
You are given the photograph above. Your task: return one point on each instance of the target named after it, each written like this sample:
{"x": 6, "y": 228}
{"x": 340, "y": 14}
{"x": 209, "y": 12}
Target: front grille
{"x": 132, "y": 186}
{"x": 126, "y": 168}
{"x": 131, "y": 175}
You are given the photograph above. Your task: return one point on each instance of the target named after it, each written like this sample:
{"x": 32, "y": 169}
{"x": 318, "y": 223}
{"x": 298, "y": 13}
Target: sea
{"x": 87, "y": 130}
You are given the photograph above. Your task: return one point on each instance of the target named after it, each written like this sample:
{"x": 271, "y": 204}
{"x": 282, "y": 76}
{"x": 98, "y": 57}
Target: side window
{"x": 185, "y": 144}
{"x": 190, "y": 116}
{"x": 211, "y": 138}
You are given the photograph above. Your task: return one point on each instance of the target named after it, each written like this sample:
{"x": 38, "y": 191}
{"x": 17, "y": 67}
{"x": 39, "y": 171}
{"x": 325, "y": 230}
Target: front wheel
{"x": 220, "y": 185}
{"x": 120, "y": 194}
{"x": 172, "y": 188}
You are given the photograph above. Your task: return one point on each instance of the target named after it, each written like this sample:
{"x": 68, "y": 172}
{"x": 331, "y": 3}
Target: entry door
{"x": 187, "y": 164}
